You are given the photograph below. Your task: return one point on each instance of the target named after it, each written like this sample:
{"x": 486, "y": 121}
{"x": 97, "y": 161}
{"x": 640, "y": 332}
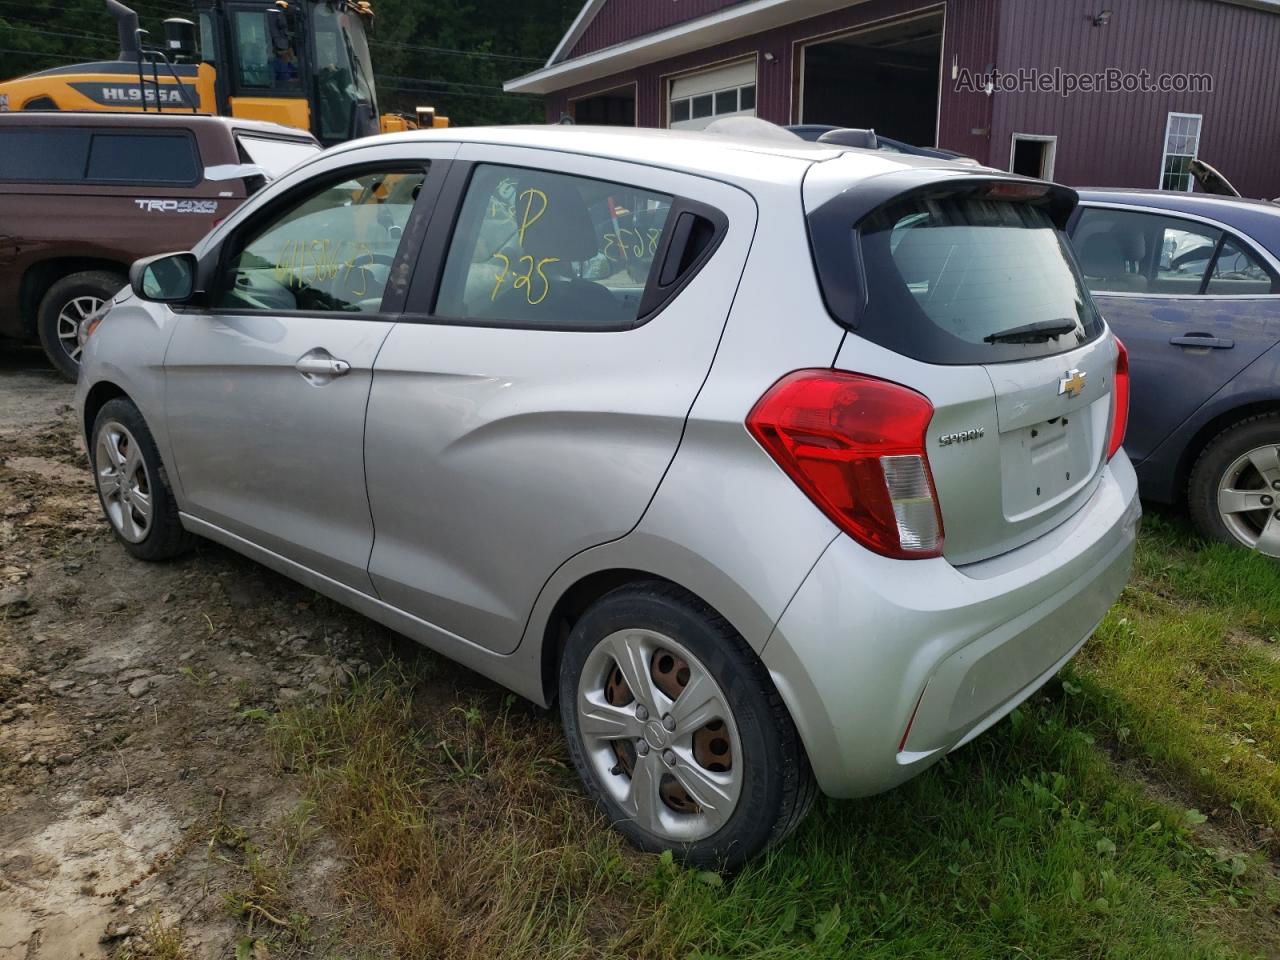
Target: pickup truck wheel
{"x": 677, "y": 730}
{"x": 1234, "y": 492}
{"x": 68, "y": 302}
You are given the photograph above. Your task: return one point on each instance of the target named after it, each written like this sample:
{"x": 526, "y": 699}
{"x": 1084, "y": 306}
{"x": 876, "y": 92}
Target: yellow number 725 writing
{"x": 523, "y": 281}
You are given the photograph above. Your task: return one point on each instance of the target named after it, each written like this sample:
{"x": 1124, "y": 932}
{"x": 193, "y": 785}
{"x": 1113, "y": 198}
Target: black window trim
{"x": 116, "y": 130}
{"x": 212, "y": 264}
{"x": 1265, "y": 260}
{"x": 424, "y": 290}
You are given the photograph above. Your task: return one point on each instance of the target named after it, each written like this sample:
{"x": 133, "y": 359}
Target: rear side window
{"x": 945, "y": 274}
{"x": 137, "y": 158}
{"x": 45, "y": 155}
{"x": 536, "y": 248}
{"x": 1238, "y": 273}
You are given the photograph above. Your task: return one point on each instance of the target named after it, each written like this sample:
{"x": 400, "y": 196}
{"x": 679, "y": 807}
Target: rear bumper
{"x": 867, "y": 641}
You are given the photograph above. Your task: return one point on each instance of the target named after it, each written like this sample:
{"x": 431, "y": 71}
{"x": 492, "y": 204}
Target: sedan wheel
{"x": 1234, "y": 489}
{"x": 1247, "y": 495}
{"x": 123, "y": 482}
{"x": 659, "y": 734}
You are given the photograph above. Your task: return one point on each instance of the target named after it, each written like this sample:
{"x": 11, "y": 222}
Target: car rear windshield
{"x": 951, "y": 279}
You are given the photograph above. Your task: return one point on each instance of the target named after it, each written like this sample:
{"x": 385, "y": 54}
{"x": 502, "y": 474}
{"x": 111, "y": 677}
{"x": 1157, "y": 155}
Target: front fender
{"x": 127, "y": 353}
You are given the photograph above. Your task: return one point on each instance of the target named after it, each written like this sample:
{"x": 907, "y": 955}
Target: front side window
{"x": 1181, "y": 144}
{"x": 342, "y": 66}
{"x": 545, "y": 249}
{"x": 266, "y": 52}
{"x": 333, "y": 251}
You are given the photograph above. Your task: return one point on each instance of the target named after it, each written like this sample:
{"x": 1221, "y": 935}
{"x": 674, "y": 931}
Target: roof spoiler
{"x": 127, "y": 28}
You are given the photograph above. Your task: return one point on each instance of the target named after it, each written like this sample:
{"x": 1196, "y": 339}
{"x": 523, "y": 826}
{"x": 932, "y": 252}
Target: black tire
{"x": 98, "y": 284}
{"x": 778, "y": 787}
{"x": 1214, "y": 462}
{"x": 165, "y": 538}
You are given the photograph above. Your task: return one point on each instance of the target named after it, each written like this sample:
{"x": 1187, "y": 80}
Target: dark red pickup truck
{"x": 83, "y": 195}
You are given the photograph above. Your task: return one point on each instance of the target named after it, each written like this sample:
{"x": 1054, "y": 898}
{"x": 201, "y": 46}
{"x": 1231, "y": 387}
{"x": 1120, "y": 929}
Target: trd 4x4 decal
{"x": 178, "y": 206}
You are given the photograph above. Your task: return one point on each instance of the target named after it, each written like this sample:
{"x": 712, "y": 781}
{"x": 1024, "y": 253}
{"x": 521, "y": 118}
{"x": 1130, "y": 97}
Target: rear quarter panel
{"x": 726, "y": 523}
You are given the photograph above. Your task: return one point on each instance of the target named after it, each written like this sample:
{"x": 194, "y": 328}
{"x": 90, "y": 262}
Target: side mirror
{"x": 168, "y": 278}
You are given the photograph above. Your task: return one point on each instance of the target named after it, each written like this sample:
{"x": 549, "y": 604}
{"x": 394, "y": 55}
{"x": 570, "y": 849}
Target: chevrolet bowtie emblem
{"x": 1072, "y": 384}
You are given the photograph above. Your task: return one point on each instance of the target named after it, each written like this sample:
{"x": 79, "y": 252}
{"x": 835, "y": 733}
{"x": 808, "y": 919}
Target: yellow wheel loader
{"x": 302, "y": 63}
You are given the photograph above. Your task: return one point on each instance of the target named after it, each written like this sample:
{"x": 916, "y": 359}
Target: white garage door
{"x": 694, "y": 101}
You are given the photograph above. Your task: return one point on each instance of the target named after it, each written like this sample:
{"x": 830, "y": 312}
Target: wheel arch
{"x": 98, "y": 396}
{"x": 575, "y": 600}
{"x": 1213, "y": 427}
{"x": 39, "y": 277}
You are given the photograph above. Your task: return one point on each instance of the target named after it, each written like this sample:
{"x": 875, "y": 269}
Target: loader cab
{"x": 304, "y": 63}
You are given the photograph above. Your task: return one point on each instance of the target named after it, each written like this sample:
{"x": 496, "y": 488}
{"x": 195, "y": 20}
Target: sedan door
{"x": 531, "y": 409}
{"x": 1193, "y": 304}
{"x": 267, "y": 386}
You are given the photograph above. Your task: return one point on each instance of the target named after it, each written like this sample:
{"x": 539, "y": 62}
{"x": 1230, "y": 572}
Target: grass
{"x": 1184, "y": 675}
{"x": 469, "y": 838}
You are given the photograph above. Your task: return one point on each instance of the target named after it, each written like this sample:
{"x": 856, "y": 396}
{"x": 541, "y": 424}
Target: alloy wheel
{"x": 72, "y": 314}
{"x": 1249, "y": 499}
{"x": 123, "y": 481}
{"x": 659, "y": 735}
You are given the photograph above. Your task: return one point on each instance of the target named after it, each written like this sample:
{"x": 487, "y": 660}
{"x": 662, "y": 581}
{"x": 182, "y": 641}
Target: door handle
{"x": 321, "y": 364}
{"x": 1204, "y": 341}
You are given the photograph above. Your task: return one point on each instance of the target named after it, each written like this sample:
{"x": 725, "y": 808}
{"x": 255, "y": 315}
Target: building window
{"x": 720, "y": 103}
{"x": 1181, "y": 144}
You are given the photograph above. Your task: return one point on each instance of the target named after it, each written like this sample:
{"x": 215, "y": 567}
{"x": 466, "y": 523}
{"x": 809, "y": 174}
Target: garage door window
{"x": 708, "y": 106}
{"x": 541, "y": 249}
{"x": 697, "y": 99}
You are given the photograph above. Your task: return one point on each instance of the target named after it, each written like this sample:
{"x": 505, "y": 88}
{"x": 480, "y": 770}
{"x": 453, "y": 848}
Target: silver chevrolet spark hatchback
{"x": 781, "y": 467}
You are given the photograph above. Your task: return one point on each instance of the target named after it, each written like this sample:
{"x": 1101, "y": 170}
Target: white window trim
{"x": 1051, "y": 158}
{"x": 1164, "y": 146}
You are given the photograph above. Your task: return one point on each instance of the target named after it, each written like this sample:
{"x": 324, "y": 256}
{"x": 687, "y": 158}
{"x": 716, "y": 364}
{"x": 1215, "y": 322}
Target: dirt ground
{"x": 135, "y": 780}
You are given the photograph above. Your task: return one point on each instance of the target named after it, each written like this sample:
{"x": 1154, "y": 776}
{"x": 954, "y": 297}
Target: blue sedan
{"x": 1191, "y": 284}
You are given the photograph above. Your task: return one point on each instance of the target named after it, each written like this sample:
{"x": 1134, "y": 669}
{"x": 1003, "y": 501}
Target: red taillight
{"x": 1119, "y": 400}
{"x": 856, "y": 446}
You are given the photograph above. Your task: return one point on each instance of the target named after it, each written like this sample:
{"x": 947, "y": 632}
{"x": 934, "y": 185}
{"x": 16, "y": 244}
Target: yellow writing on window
{"x": 528, "y": 218}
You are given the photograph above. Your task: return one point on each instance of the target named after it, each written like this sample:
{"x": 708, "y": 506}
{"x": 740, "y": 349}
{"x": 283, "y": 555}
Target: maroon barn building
{"x": 1088, "y": 92}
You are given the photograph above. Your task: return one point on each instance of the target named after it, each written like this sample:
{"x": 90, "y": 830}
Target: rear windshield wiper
{"x": 1037, "y": 332}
